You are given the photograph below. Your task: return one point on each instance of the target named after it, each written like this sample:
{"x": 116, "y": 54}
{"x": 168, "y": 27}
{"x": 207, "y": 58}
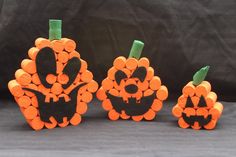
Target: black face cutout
{"x": 200, "y": 119}
{"x": 202, "y": 102}
{"x": 132, "y": 107}
{"x": 72, "y": 69}
{"x": 59, "y": 109}
{"x": 189, "y": 103}
{"x": 131, "y": 88}
{"x": 139, "y": 73}
{"x": 46, "y": 64}
{"x": 119, "y": 75}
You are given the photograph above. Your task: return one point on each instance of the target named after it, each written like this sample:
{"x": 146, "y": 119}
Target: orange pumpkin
{"x": 197, "y": 107}
{"x": 131, "y": 90}
{"x": 53, "y": 86}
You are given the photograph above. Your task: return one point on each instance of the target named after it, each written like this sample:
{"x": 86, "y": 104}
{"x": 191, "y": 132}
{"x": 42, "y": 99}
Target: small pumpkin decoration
{"x": 131, "y": 90}
{"x": 197, "y": 107}
{"x": 53, "y": 86}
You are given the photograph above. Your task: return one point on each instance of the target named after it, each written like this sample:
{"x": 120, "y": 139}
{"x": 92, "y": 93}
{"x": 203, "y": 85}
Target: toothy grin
{"x": 200, "y": 119}
{"x": 132, "y": 107}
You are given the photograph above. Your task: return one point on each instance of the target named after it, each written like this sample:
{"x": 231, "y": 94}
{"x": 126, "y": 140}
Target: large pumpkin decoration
{"x": 197, "y": 107}
{"x": 53, "y": 86}
{"x": 131, "y": 90}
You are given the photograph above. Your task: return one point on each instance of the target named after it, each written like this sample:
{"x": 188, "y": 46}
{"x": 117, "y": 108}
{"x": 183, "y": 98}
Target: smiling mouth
{"x": 200, "y": 119}
{"x": 58, "y": 109}
{"x": 132, "y": 107}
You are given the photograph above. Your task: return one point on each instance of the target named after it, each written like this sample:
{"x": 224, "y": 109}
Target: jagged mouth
{"x": 202, "y": 121}
{"x": 57, "y": 109}
{"x": 132, "y": 107}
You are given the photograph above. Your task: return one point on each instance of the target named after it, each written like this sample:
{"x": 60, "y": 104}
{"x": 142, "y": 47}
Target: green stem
{"x": 55, "y": 29}
{"x": 136, "y": 49}
{"x": 200, "y": 75}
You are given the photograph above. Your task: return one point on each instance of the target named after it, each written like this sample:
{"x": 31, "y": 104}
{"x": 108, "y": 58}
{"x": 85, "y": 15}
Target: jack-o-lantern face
{"x": 131, "y": 99}
{"x": 197, "y": 107}
{"x": 196, "y": 120}
{"x": 54, "y": 86}
{"x": 131, "y": 90}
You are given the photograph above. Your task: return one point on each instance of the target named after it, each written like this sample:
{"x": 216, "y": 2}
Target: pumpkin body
{"x": 131, "y": 90}
{"x": 197, "y": 107}
{"x": 53, "y": 86}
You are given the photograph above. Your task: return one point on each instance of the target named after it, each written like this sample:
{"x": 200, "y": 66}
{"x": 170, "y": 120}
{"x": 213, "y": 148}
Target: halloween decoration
{"x": 53, "y": 86}
{"x": 131, "y": 90}
{"x": 197, "y": 107}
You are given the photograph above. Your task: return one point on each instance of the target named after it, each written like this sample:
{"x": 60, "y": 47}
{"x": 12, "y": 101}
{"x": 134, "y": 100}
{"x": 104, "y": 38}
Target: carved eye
{"x": 189, "y": 102}
{"x": 140, "y": 73}
{"x": 202, "y": 102}
{"x": 72, "y": 69}
{"x": 119, "y": 75}
{"x": 45, "y": 64}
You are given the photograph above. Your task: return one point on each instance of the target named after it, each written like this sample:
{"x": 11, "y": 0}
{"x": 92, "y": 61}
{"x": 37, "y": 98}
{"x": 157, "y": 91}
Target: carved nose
{"x": 131, "y": 88}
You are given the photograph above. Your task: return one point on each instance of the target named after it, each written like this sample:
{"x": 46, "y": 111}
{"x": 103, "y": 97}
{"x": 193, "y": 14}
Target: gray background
{"x": 180, "y": 36}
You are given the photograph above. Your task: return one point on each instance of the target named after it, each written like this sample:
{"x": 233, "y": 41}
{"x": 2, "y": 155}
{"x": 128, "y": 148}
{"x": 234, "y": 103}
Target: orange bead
{"x": 143, "y": 62}
{"x": 107, "y": 84}
{"x": 162, "y": 93}
{"x": 119, "y": 62}
{"x": 131, "y": 63}
{"x": 87, "y": 97}
{"x": 106, "y": 104}
{"x": 41, "y": 43}
{"x": 156, "y": 105}
{"x": 56, "y": 88}
{"x": 63, "y": 57}
{"x": 30, "y": 112}
{"x": 150, "y": 115}
{"x": 137, "y": 118}
{"x": 81, "y": 107}
{"x": 155, "y": 83}
{"x": 76, "y": 119}
{"x": 92, "y": 86}
{"x": 37, "y": 124}
{"x": 87, "y": 76}
{"x": 101, "y": 95}
{"x": 57, "y": 46}
{"x": 113, "y": 115}
{"x": 24, "y": 101}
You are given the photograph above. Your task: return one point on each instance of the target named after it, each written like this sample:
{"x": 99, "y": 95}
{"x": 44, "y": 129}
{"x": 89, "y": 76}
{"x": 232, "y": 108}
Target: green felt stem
{"x": 55, "y": 29}
{"x": 200, "y": 75}
{"x": 136, "y": 49}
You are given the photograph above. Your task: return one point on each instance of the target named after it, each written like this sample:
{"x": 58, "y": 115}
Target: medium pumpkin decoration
{"x": 197, "y": 107}
{"x": 131, "y": 90}
{"x": 53, "y": 86}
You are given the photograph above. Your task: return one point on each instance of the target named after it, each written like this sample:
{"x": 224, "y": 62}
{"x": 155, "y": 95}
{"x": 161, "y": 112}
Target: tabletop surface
{"x": 98, "y": 136}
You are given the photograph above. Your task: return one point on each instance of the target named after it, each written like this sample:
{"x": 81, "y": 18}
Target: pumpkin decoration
{"x": 131, "y": 90}
{"x": 197, "y": 107}
{"x": 53, "y": 86}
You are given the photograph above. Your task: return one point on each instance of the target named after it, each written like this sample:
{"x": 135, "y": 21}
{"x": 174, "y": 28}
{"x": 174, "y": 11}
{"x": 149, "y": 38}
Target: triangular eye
{"x": 189, "y": 102}
{"x": 72, "y": 69}
{"x": 202, "y": 102}
{"x": 119, "y": 75}
{"x": 140, "y": 73}
{"x": 45, "y": 64}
